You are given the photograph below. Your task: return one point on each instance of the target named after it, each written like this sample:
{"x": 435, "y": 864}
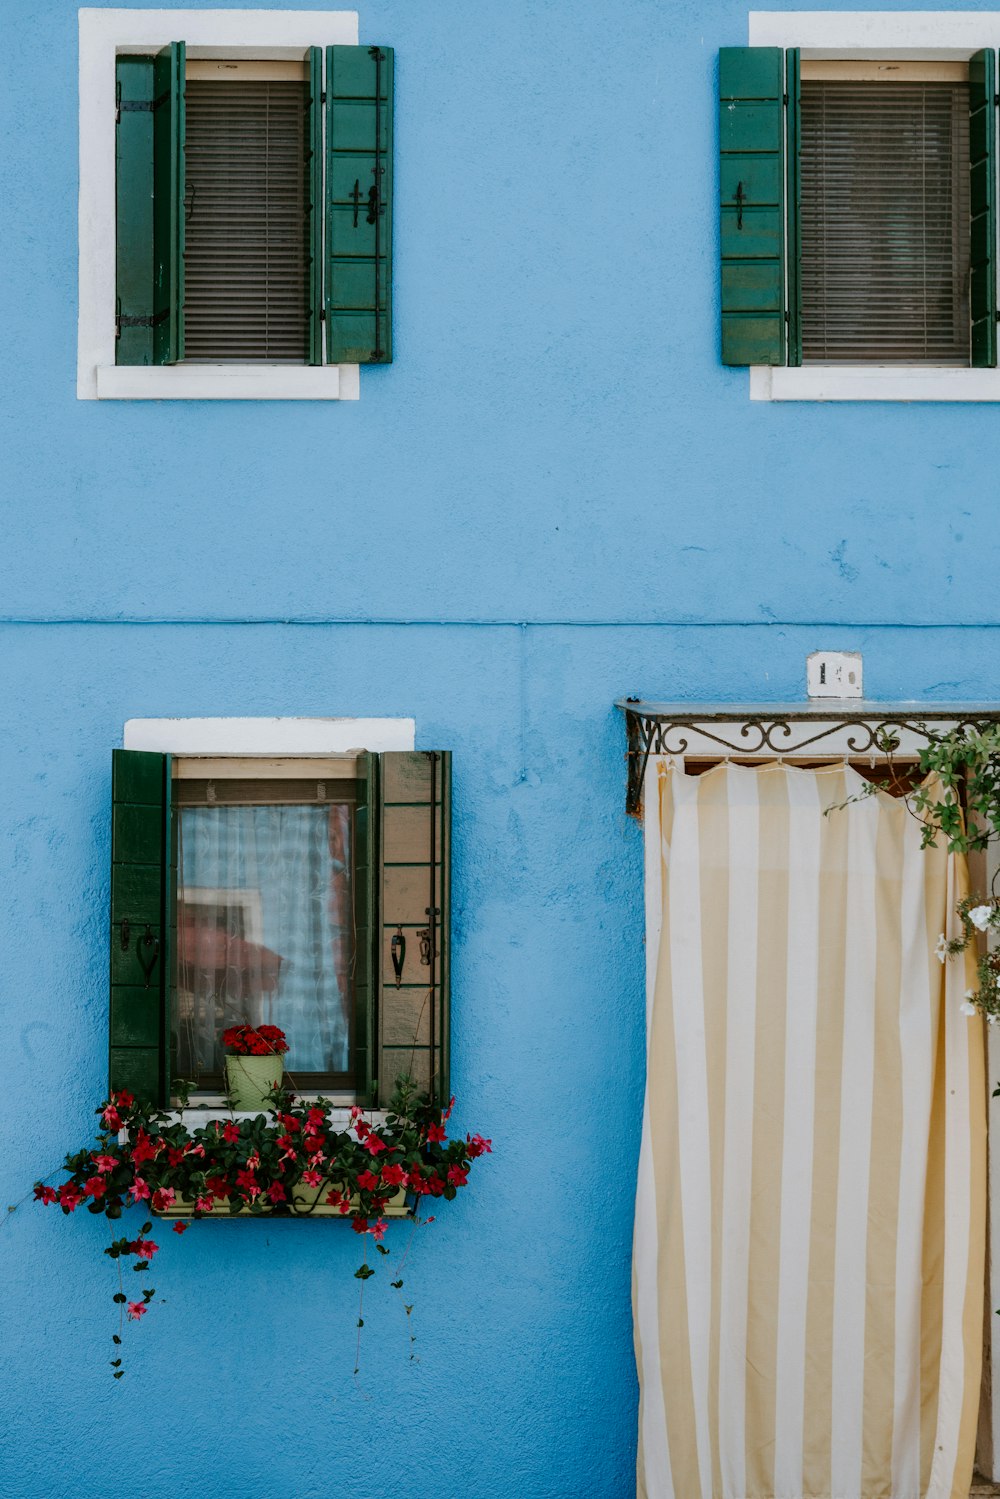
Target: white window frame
{"x": 919, "y": 35}
{"x": 241, "y": 738}
{"x": 104, "y": 34}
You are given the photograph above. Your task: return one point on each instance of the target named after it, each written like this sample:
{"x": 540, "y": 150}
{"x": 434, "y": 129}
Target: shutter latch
{"x": 397, "y": 952}
{"x": 739, "y": 205}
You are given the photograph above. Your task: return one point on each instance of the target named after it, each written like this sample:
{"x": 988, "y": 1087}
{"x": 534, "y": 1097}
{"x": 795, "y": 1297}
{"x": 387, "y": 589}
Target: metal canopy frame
{"x": 835, "y": 727}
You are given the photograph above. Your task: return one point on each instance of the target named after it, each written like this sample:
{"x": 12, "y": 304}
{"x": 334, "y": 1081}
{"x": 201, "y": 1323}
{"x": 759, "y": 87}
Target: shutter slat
{"x": 248, "y": 251}
{"x": 751, "y": 127}
{"x": 885, "y": 222}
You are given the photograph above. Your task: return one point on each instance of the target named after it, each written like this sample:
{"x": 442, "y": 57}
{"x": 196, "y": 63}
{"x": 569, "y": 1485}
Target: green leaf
{"x": 116, "y": 1363}
{"x": 396, "y": 1284}
{"x": 119, "y": 1297}
{"x": 118, "y": 1374}
{"x": 407, "y": 1309}
{"x": 146, "y": 1228}
{"x": 361, "y": 1321}
{"x": 115, "y": 1338}
{"x": 363, "y": 1272}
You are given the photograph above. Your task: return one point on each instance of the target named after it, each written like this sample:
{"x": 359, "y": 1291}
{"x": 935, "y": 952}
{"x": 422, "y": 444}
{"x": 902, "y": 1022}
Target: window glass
{"x": 264, "y": 924}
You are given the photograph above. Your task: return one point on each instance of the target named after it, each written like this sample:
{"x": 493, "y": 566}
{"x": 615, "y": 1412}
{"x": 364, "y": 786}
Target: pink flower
{"x": 378, "y": 1232}
{"x": 105, "y": 1162}
{"x": 136, "y": 1310}
{"x": 451, "y": 1105}
{"x": 145, "y": 1248}
{"x": 198, "y": 1150}
{"x": 138, "y": 1190}
{"x": 312, "y": 1179}
{"x": 111, "y": 1117}
{"x": 162, "y": 1199}
{"x": 204, "y": 1204}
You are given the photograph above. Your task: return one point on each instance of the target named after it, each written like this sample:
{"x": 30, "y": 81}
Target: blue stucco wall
{"x": 554, "y": 497}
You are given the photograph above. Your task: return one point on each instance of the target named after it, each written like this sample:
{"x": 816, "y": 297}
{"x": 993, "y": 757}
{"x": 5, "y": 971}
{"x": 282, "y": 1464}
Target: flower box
{"x": 309, "y": 1202}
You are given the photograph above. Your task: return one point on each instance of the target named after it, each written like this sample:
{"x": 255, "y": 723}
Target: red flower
{"x": 362, "y": 1128}
{"x": 181, "y": 1228}
{"x": 478, "y": 1146}
{"x": 145, "y": 1248}
{"x": 248, "y": 1182}
{"x": 451, "y": 1105}
{"x": 111, "y": 1117}
{"x": 436, "y": 1132}
{"x": 373, "y": 1145}
{"x": 217, "y": 1185}
{"x": 105, "y": 1162}
{"x": 360, "y": 1225}
{"x": 124, "y": 1100}
{"x": 315, "y": 1117}
{"x": 393, "y": 1175}
{"x": 136, "y": 1310}
{"x": 312, "y": 1179}
{"x": 276, "y": 1192}
{"x": 458, "y": 1175}
{"x": 175, "y": 1156}
{"x": 96, "y": 1186}
{"x": 162, "y": 1199}
{"x": 143, "y": 1149}
{"x": 286, "y": 1143}
{"x": 45, "y": 1194}
{"x": 262, "y": 1041}
{"x": 231, "y": 1133}
{"x": 70, "y": 1196}
{"x": 334, "y": 1199}
{"x": 367, "y": 1181}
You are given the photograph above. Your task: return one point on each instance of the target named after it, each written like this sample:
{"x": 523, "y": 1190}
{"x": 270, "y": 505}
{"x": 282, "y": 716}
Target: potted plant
{"x": 254, "y": 1064}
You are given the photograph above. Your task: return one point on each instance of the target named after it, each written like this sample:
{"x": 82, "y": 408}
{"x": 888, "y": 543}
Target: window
{"x": 858, "y": 209}
{"x": 236, "y": 228}
{"x": 309, "y": 893}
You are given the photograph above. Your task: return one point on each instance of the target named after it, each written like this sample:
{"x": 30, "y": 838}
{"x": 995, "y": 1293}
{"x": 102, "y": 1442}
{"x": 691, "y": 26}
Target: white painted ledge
{"x": 268, "y": 736}
{"x": 225, "y": 382}
{"x": 867, "y": 382}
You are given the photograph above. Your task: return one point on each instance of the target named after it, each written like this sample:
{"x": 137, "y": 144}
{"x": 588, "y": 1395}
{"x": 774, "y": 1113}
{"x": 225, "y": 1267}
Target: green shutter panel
{"x": 134, "y": 210}
{"x": 793, "y": 238}
{"x": 168, "y": 204}
{"x": 359, "y": 205}
{"x": 982, "y": 203}
{"x": 142, "y": 902}
{"x": 412, "y": 1013}
{"x": 752, "y": 208}
{"x": 365, "y": 891}
{"x": 314, "y": 129}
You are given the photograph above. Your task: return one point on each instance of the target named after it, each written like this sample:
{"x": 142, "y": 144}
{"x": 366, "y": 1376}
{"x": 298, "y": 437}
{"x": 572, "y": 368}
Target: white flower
{"x": 993, "y": 1019}
{"x": 980, "y": 916}
{"x": 966, "y": 1009}
{"x": 941, "y": 951}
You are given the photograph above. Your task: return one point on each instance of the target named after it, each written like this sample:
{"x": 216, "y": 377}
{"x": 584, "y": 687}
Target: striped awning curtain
{"x": 885, "y": 222}
{"x": 810, "y": 1215}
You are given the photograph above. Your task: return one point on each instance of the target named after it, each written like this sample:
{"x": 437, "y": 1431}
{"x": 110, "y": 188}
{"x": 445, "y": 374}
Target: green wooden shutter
{"x": 751, "y": 128}
{"x": 414, "y": 898}
{"x": 314, "y": 137}
{"x": 143, "y": 864}
{"x": 793, "y": 239}
{"x": 982, "y": 204}
{"x": 168, "y": 204}
{"x": 359, "y": 205}
{"x": 134, "y": 210}
{"x": 365, "y": 890}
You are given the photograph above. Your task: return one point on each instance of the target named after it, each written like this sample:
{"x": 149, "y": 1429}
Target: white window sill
{"x": 228, "y": 382}
{"x": 873, "y": 382}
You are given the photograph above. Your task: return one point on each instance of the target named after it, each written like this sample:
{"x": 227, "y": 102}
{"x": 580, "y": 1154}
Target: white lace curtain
{"x": 264, "y": 931}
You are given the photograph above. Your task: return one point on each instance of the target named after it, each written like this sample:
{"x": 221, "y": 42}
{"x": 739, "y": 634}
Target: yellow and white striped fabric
{"x": 810, "y": 1214}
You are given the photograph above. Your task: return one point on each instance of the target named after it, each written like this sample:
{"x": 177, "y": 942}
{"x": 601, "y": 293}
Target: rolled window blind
{"x": 885, "y": 222}
{"x": 246, "y": 207}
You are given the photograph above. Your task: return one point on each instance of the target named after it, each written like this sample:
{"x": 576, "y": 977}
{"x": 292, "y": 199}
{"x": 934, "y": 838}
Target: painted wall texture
{"x": 554, "y": 497}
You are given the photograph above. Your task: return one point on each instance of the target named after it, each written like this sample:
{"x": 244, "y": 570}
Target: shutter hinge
{"x": 137, "y": 106}
{"x": 140, "y": 322}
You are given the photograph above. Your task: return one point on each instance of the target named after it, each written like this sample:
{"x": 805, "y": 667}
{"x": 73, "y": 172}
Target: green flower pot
{"x": 250, "y": 1079}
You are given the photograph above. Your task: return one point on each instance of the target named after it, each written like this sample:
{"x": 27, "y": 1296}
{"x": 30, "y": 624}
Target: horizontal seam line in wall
{"x": 323, "y": 622}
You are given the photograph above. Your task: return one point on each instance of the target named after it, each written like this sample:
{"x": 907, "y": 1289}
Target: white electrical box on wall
{"x": 834, "y": 674}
